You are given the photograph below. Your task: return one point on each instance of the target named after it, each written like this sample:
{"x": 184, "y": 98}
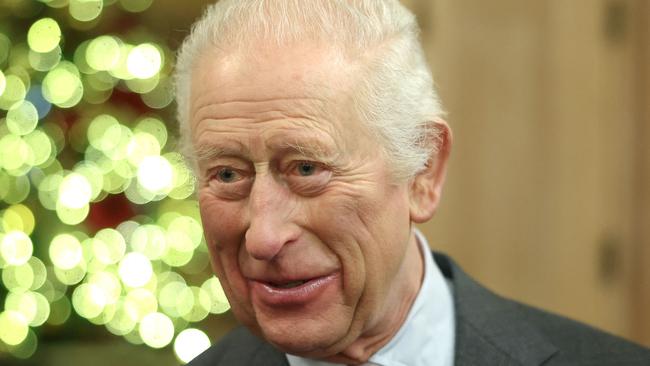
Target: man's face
{"x": 306, "y": 229}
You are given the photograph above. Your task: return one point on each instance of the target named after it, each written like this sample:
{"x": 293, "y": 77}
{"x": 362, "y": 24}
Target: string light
{"x": 69, "y": 144}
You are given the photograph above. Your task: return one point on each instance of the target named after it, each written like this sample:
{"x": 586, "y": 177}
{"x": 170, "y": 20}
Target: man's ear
{"x": 426, "y": 187}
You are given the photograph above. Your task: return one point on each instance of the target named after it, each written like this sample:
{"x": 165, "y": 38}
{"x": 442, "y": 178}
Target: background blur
{"x": 102, "y": 260}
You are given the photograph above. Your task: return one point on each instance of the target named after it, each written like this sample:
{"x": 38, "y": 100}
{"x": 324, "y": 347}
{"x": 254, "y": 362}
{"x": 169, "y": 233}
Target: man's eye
{"x": 306, "y": 168}
{"x": 228, "y": 175}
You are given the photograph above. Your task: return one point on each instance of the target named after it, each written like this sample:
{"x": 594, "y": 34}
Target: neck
{"x": 403, "y": 292}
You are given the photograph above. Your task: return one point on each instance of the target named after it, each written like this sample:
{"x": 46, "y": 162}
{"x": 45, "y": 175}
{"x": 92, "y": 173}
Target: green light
{"x": 161, "y": 96}
{"x": 75, "y": 191}
{"x": 41, "y": 146}
{"x": 18, "y": 217}
{"x": 109, "y": 284}
{"x": 44, "y": 61}
{"x": 16, "y": 156}
{"x": 156, "y": 330}
{"x": 109, "y": 246}
{"x": 142, "y": 145}
{"x": 13, "y": 327}
{"x": 85, "y": 10}
{"x": 27, "y": 347}
{"x": 155, "y": 127}
{"x": 79, "y": 58}
{"x": 218, "y": 300}
{"x": 22, "y": 118}
{"x": 48, "y": 190}
{"x": 5, "y": 48}
{"x": 52, "y": 289}
{"x": 17, "y": 189}
{"x": 39, "y": 273}
{"x": 15, "y": 91}
{"x": 71, "y": 276}
{"x": 103, "y": 53}
{"x": 102, "y": 80}
{"x": 55, "y": 3}
{"x": 93, "y": 175}
{"x": 140, "y": 302}
{"x": 18, "y": 278}
{"x": 193, "y": 304}
{"x": 142, "y": 86}
{"x": 123, "y": 321}
{"x": 190, "y": 343}
{"x": 135, "y": 6}
{"x": 155, "y": 174}
{"x": 32, "y": 305}
{"x": 62, "y": 85}
{"x": 135, "y": 270}
{"x": 16, "y": 248}
{"x": 149, "y": 240}
{"x": 3, "y": 82}
{"x": 60, "y": 311}
{"x": 105, "y": 316}
{"x": 88, "y": 300}
{"x": 44, "y": 35}
{"x": 65, "y": 251}
{"x": 71, "y": 216}
{"x": 121, "y": 71}
{"x": 104, "y": 132}
{"x": 187, "y": 226}
{"x": 144, "y": 61}
{"x": 168, "y": 295}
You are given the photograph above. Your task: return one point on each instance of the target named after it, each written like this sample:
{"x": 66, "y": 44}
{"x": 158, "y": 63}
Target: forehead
{"x": 272, "y": 73}
{"x": 274, "y": 89}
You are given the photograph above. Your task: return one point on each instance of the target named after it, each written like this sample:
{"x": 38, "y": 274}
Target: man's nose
{"x": 270, "y": 227}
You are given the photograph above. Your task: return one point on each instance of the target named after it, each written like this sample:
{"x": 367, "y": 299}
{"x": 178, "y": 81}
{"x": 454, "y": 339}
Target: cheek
{"x": 222, "y": 220}
{"x": 223, "y": 229}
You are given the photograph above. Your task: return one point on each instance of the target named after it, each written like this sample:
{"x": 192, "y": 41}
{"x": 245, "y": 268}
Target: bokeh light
{"x": 13, "y": 327}
{"x": 62, "y": 85}
{"x": 3, "y": 82}
{"x": 65, "y": 251}
{"x": 85, "y": 10}
{"x": 44, "y": 35}
{"x": 156, "y": 330}
{"x": 190, "y": 343}
{"x": 135, "y": 270}
{"x": 98, "y": 219}
{"x": 144, "y": 61}
{"x": 103, "y": 53}
{"x": 16, "y": 248}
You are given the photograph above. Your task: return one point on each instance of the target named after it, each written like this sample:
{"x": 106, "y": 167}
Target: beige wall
{"x": 542, "y": 199}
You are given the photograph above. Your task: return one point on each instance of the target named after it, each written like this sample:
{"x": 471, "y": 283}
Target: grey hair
{"x": 395, "y": 97}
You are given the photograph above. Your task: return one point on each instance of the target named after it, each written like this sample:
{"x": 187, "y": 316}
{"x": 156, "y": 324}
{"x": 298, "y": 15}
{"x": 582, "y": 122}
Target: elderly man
{"x": 318, "y": 142}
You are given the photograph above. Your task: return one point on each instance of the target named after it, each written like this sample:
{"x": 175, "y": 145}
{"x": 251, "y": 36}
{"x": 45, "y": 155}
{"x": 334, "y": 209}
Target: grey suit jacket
{"x": 490, "y": 330}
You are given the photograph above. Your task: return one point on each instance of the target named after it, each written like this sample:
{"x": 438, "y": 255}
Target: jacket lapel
{"x": 489, "y": 329}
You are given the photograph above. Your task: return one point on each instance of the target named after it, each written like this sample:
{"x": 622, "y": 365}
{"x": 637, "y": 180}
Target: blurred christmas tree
{"x": 97, "y": 216}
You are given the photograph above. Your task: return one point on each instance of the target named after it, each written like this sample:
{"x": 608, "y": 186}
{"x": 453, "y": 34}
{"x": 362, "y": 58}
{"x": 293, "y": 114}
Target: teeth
{"x": 289, "y": 284}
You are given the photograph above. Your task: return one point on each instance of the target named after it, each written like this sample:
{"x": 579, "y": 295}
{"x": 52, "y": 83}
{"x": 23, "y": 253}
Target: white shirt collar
{"x": 427, "y": 336}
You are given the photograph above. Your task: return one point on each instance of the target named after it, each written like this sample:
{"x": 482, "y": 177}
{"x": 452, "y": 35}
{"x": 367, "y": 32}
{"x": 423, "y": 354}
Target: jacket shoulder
{"x": 580, "y": 344}
{"x": 240, "y": 347}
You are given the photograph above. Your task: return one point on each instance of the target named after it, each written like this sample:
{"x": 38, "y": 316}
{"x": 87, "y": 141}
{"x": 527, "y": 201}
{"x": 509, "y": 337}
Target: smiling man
{"x": 318, "y": 142}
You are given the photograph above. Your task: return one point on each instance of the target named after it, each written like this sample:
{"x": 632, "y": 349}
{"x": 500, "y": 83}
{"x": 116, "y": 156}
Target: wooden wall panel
{"x": 540, "y": 203}
{"x": 641, "y": 283}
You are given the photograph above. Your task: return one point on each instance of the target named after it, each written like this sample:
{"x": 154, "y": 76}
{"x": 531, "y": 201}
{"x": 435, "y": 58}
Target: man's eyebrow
{"x": 310, "y": 148}
{"x": 209, "y": 152}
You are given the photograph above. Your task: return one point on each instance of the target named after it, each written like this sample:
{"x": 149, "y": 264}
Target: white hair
{"x": 395, "y": 97}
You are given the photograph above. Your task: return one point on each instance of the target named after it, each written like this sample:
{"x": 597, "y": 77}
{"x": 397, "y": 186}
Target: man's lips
{"x": 291, "y": 292}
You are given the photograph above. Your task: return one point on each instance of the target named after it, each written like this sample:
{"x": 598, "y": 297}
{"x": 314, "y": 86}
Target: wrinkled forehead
{"x": 269, "y": 72}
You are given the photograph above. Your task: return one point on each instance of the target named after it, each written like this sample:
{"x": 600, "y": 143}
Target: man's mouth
{"x": 291, "y": 284}
{"x": 292, "y": 292}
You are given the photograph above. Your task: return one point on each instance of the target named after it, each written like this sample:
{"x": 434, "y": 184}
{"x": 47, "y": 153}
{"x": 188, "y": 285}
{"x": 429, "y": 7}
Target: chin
{"x": 310, "y": 338}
